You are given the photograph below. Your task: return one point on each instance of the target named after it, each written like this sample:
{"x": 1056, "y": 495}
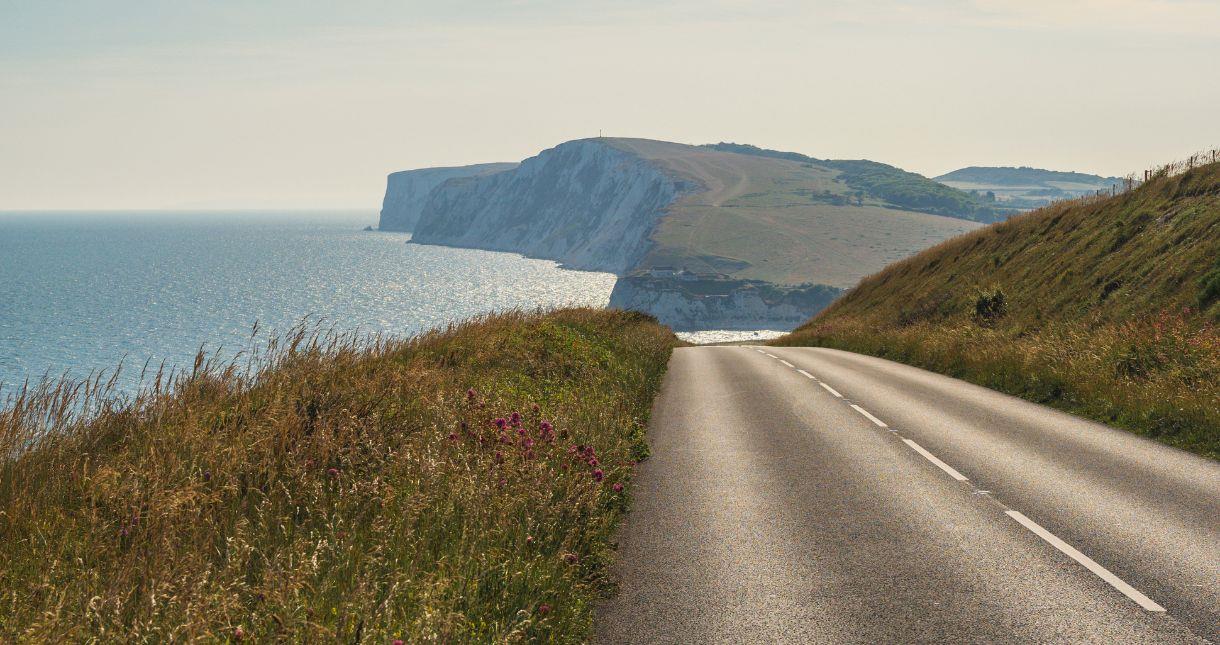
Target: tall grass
{"x": 457, "y": 486}
{"x": 1103, "y": 306}
{"x": 1157, "y": 376}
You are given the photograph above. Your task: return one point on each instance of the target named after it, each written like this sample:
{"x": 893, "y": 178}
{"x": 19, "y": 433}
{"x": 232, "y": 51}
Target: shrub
{"x": 989, "y": 307}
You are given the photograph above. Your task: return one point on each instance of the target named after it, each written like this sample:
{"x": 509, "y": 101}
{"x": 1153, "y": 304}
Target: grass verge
{"x": 1156, "y": 376}
{"x": 458, "y": 486}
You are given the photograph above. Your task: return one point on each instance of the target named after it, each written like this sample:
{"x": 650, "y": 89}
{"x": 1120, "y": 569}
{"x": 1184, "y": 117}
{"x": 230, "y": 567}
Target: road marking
{"x": 760, "y": 351}
{"x": 830, "y": 389}
{"x": 786, "y": 363}
{"x": 1100, "y": 571}
{"x": 771, "y": 355}
{"x": 932, "y": 458}
{"x": 807, "y": 374}
{"x": 872, "y": 418}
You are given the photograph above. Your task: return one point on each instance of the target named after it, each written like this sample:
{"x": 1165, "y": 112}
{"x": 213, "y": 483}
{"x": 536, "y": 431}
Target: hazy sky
{"x": 212, "y": 104}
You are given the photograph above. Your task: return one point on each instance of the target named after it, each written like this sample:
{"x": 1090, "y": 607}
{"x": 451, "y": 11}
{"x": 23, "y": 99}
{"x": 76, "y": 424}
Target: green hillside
{"x": 891, "y": 186}
{"x": 779, "y": 220}
{"x": 1025, "y": 188}
{"x": 1106, "y": 307}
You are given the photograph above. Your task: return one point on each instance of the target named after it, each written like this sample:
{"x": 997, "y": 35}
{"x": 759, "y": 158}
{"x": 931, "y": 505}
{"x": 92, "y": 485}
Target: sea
{"x": 83, "y": 292}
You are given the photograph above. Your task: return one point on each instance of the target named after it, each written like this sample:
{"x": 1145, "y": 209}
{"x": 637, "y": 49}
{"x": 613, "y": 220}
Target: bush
{"x": 989, "y": 307}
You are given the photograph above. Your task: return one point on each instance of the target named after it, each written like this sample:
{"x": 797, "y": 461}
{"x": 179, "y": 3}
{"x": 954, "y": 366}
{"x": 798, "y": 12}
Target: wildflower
{"x": 529, "y": 539}
{"x": 501, "y": 422}
{"x": 332, "y": 472}
{"x": 503, "y": 482}
{"x": 598, "y": 475}
{"x": 544, "y": 609}
{"x": 571, "y": 558}
{"x": 529, "y": 454}
{"x": 546, "y": 427}
{"x": 453, "y": 436}
{"x": 535, "y": 408}
{"x": 528, "y": 443}
{"x": 207, "y": 475}
{"x": 618, "y": 488}
{"x": 499, "y": 457}
{"x": 398, "y": 641}
{"x": 470, "y": 394}
{"x": 239, "y": 634}
{"x": 521, "y": 431}
{"x": 593, "y": 462}
{"x": 516, "y": 418}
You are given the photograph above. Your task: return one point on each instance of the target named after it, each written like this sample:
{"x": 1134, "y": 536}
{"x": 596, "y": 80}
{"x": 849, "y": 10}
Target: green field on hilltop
{"x": 781, "y": 220}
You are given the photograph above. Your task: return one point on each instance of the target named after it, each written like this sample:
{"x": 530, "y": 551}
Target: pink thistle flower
{"x": 470, "y": 394}
{"x": 499, "y": 457}
{"x": 546, "y": 426}
{"x": 529, "y": 454}
{"x": 544, "y": 609}
{"x": 594, "y": 462}
{"x": 521, "y": 431}
{"x": 598, "y": 475}
{"x": 398, "y": 641}
{"x": 529, "y": 539}
{"x": 618, "y": 488}
{"x": 453, "y": 436}
{"x": 571, "y": 558}
{"x": 503, "y": 482}
{"x": 535, "y": 408}
{"x": 501, "y": 422}
{"x": 239, "y": 634}
{"x": 516, "y": 418}
{"x": 332, "y": 472}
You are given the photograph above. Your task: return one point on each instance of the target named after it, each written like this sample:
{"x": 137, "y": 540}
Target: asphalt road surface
{"x": 817, "y": 496}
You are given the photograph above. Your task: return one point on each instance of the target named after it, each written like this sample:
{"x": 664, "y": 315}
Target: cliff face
{"x": 584, "y": 203}
{"x": 407, "y": 191}
{"x": 721, "y": 304}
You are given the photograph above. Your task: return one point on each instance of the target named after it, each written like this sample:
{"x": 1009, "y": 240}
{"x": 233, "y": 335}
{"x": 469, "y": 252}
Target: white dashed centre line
{"x": 1100, "y": 571}
{"x": 771, "y": 355}
{"x": 830, "y": 389}
{"x": 872, "y": 418}
{"x": 807, "y": 374}
{"x": 932, "y": 458}
{"x": 786, "y": 363}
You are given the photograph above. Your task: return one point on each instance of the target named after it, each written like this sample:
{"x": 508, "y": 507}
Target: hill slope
{"x": 1024, "y": 188}
{"x": 736, "y": 223}
{"x": 1102, "y": 306}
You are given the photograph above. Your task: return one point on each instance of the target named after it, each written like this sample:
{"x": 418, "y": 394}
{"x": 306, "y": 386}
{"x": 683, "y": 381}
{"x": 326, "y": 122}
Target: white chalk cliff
{"x": 406, "y": 191}
{"x": 584, "y": 203}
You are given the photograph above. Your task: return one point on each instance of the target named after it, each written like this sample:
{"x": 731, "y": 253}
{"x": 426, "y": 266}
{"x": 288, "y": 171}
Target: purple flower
{"x": 618, "y": 488}
{"x": 453, "y": 436}
{"x": 499, "y": 457}
{"x": 598, "y": 475}
{"x": 571, "y": 558}
{"x": 534, "y": 408}
{"x": 332, "y": 472}
{"x": 516, "y": 418}
{"x": 470, "y": 394}
{"x": 501, "y": 422}
{"x": 544, "y": 609}
{"x": 594, "y": 462}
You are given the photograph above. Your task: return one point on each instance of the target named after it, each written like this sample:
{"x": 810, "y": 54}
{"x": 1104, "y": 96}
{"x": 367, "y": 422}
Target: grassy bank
{"x": 460, "y": 486}
{"x": 1107, "y": 308}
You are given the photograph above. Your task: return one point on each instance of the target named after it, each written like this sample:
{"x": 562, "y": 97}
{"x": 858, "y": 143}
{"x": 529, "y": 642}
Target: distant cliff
{"x": 688, "y": 303}
{"x": 407, "y": 191}
{"x": 585, "y": 204}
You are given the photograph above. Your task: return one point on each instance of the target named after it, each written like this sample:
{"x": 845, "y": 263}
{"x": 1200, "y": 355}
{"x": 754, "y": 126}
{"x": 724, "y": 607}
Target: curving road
{"x": 818, "y": 496}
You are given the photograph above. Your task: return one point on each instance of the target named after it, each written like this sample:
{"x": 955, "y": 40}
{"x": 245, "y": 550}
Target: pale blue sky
{"x": 184, "y": 104}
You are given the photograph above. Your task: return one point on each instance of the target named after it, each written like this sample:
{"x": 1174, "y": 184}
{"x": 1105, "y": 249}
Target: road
{"x": 818, "y": 496}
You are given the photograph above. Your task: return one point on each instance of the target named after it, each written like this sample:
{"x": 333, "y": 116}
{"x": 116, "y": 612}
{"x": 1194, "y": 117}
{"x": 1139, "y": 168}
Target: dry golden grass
{"x": 340, "y": 489}
{"x": 1110, "y": 308}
